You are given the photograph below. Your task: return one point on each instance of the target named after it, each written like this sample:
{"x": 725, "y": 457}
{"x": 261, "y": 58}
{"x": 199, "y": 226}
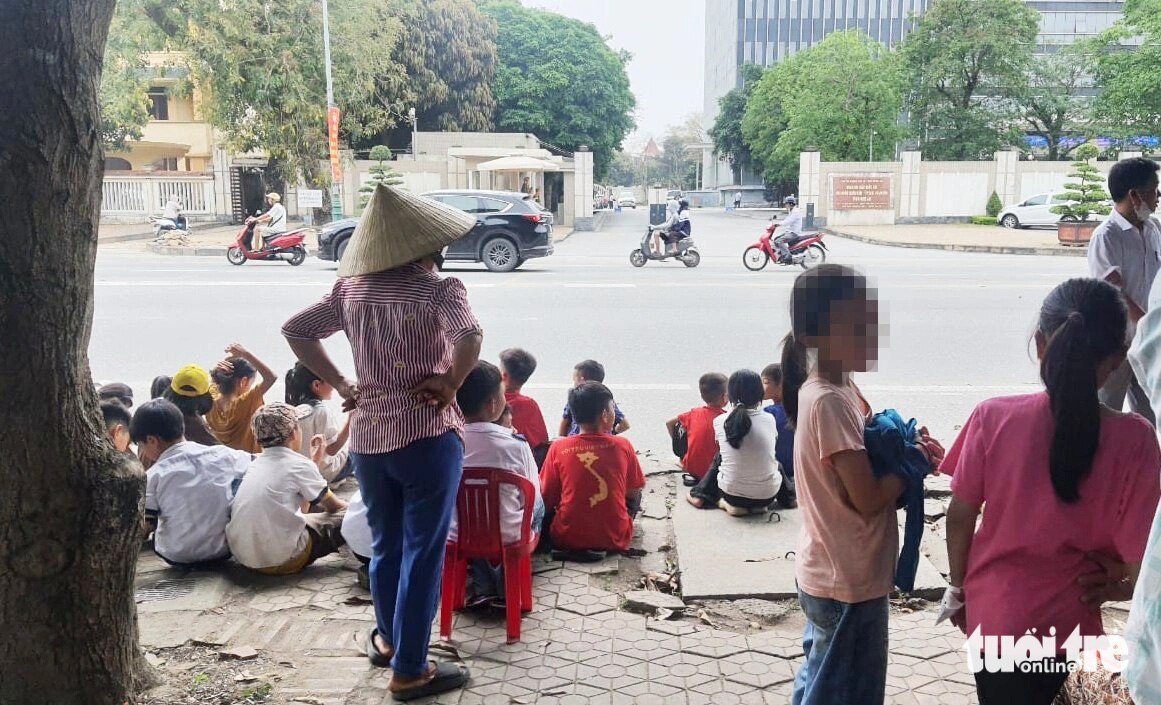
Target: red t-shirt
{"x": 527, "y": 419}
{"x": 703, "y": 443}
{"x": 585, "y": 479}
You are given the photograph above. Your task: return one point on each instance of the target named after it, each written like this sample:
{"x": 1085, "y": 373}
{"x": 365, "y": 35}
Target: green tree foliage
{"x": 263, "y": 65}
{"x": 624, "y": 170}
{"x": 1087, "y": 191}
{"x": 677, "y": 166}
{"x": 726, "y": 133}
{"x": 381, "y": 173}
{"x": 964, "y": 56}
{"x": 559, "y": 80}
{"x": 1130, "y": 99}
{"x": 833, "y": 96}
{"x": 448, "y": 51}
{"x": 1053, "y": 103}
{"x": 994, "y": 205}
{"x": 124, "y": 103}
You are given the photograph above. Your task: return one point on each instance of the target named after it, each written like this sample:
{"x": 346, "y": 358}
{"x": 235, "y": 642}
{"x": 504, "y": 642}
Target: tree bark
{"x": 70, "y": 524}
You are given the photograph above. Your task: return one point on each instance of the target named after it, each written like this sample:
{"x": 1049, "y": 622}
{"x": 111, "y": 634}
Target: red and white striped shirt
{"x": 403, "y": 325}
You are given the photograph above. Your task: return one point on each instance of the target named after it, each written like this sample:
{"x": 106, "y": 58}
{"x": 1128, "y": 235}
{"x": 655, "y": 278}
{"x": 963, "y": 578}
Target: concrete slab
{"x": 726, "y": 558}
{"x": 176, "y": 592}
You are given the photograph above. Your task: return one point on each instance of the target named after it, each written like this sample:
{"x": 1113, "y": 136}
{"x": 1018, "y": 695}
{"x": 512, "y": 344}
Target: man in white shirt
{"x": 172, "y": 211}
{"x": 490, "y": 445}
{"x": 1125, "y": 251}
{"x": 273, "y": 221}
{"x": 268, "y": 531}
{"x": 788, "y": 229}
{"x": 188, "y": 487}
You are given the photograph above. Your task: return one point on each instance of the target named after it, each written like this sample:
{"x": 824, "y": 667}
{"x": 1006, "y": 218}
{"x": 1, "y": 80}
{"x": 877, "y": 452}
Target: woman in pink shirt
{"x": 1070, "y": 488}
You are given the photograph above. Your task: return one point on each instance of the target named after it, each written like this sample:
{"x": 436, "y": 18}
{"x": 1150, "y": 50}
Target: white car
{"x": 627, "y": 200}
{"x": 1037, "y": 210}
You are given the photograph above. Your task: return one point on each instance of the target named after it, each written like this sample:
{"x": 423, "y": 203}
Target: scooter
{"x": 684, "y": 250}
{"x": 283, "y": 246}
{"x": 163, "y": 226}
{"x": 806, "y": 251}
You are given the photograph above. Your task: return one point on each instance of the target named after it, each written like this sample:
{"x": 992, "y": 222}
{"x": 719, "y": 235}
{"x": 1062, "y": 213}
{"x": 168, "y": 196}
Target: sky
{"x": 667, "y": 40}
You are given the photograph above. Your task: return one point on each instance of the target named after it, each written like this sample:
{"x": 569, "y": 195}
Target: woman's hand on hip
{"x": 349, "y": 391}
{"x": 438, "y": 391}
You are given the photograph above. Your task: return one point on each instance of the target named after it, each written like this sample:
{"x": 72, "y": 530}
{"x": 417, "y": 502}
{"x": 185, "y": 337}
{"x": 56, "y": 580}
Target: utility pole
{"x": 871, "y": 151}
{"x": 333, "y": 117}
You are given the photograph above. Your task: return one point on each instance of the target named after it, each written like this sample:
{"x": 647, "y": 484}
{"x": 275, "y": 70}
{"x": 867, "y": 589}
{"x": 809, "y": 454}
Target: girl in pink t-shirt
{"x": 846, "y": 559}
{"x": 1070, "y": 488}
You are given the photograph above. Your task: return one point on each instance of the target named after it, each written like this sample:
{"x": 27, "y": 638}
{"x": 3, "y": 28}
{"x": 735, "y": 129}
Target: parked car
{"x": 1037, "y": 210}
{"x": 511, "y": 228}
{"x": 627, "y": 200}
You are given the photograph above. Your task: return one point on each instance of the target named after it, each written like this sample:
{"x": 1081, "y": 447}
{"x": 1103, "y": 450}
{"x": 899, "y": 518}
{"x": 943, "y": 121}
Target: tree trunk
{"x": 70, "y": 524}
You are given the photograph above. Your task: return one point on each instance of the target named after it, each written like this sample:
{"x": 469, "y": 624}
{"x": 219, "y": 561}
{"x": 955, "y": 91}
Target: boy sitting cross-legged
{"x": 276, "y": 526}
{"x": 699, "y": 425}
{"x": 188, "y": 488}
{"x": 590, "y": 371}
{"x": 489, "y": 445}
{"x": 592, "y": 482}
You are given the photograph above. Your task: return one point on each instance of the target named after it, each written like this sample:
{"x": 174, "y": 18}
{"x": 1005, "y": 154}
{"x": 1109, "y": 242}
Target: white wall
{"x": 955, "y": 194}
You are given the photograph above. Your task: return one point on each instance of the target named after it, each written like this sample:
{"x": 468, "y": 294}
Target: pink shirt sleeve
{"x": 837, "y": 425}
{"x": 453, "y": 311}
{"x": 1139, "y": 500}
{"x": 319, "y": 321}
{"x": 966, "y": 462}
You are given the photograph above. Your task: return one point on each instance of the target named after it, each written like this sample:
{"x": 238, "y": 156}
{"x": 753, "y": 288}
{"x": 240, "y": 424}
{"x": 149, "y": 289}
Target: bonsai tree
{"x": 381, "y": 173}
{"x": 1087, "y": 194}
{"x": 994, "y": 205}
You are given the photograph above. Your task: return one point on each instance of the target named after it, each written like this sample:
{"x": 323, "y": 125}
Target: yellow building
{"x": 176, "y": 138}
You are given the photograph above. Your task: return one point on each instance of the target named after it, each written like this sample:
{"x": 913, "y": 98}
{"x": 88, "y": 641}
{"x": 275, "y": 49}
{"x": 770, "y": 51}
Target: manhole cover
{"x": 164, "y": 590}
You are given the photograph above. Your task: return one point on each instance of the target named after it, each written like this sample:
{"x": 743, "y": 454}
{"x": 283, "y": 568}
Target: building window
{"x": 166, "y": 164}
{"x": 117, "y": 164}
{"x": 158, "y": 104}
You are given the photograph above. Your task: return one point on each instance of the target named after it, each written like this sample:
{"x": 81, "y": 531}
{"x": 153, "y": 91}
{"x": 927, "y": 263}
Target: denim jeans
{"x": 846, "y": 652}
{"x": 410, "y": 495}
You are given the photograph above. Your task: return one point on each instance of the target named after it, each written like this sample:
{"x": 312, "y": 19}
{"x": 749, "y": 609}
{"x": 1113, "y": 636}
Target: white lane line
{"x": 786, "y": 284}
{"x": 595, "y": 285}
{"x": 184, "y": 284}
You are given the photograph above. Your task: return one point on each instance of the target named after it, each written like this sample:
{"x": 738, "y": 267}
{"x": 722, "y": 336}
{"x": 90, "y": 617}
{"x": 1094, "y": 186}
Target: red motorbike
{"x": 283, "y": 246}
{"x": 806, "y": 251}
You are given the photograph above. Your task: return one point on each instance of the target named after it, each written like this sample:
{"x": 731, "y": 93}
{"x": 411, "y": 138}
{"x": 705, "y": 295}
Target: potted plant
{"x": 381, "y": 173}
{"x": 1086, "y": 196}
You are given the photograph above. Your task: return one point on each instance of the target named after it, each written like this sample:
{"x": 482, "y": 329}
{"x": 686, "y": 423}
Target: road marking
{"x": 877, "y": 388}
{"x": 596, "y": 285}
{"x": 300, "y": 282}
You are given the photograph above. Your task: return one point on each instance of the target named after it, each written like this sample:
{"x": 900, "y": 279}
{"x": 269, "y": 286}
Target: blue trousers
{"x": 846, "y": 652}
{"x": 410, "y": 495}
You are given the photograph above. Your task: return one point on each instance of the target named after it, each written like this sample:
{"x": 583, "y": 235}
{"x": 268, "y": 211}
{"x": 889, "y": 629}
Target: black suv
{"x": 510, "y": 229}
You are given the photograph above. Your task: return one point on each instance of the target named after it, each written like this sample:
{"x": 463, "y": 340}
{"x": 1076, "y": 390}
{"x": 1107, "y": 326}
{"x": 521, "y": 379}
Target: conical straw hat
{"x": 399, "y": 227}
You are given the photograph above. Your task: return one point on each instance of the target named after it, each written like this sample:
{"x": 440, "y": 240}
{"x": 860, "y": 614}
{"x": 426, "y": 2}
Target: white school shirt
{"x": 752, "y": 470}
{"x": 266, "y": 527}
{"x": 356, "y": 531}
{"x": 1118, "y": 246}
{"x": 189, "y": 490}
{"x": 489, "y": 445}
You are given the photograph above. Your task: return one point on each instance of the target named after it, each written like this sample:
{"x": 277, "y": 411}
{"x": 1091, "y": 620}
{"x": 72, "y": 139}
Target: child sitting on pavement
{"x": 784, "y": 448}
{"x": 592, "y": 482}
{"x": 118, "y": 392}
{"x": 304, "y": 389}
{"x": 188, "y": 489}
{"x": 747, "y": 479}
{"x": 490, "y": 445}
{"x": 698, "y": 422}
{"x": 516, "y": 367}
{"x": 117, "y": 421}
{"x": 189, "y": 390}
{"x": 589, "y": 371}
{"x": 268, "y": 530}
{"x": 357, "y": 534}
{"x": 237, "y": 397}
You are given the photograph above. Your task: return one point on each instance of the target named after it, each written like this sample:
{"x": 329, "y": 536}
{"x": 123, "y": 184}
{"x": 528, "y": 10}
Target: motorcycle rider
{"x": 672, "y": 207}
{"x": 788, "y": 230}
{"x": 172, "y": 212}
{"x": 272, "y": 222}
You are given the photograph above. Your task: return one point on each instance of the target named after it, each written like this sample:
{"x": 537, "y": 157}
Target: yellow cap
{"x": 191, "y": 381}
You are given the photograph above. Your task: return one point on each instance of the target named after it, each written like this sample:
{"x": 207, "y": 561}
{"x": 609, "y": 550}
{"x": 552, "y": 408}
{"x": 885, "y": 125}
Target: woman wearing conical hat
{"x": 414, "y": 339}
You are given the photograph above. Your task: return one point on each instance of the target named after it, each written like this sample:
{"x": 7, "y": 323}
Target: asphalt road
{"x": 958, "y": 325}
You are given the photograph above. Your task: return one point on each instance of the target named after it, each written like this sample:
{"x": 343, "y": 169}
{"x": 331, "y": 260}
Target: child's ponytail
{"x": 746, "y": 392}
{"x": 1082, "y": 323}
{"x": 299, "y": 380}
{"x": 794, "y": 372}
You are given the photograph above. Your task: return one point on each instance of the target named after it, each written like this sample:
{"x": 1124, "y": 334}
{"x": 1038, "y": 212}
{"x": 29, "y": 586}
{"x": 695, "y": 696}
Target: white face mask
{"x": 1143, "y": 211}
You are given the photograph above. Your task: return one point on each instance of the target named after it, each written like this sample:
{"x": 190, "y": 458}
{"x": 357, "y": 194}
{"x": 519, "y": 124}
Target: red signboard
{"x": 852, "y": 193}
{"x": 333, "y": 135}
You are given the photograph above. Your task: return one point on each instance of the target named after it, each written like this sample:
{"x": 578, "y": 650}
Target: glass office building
{"x": 767, "y": 31}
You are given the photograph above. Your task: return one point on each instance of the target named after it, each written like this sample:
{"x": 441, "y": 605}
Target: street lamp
{"x": 871, "y": 151}
{"x": 411, "y": 117}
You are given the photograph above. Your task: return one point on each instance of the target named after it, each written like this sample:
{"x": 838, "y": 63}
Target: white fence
{"x": 138, "y": 197}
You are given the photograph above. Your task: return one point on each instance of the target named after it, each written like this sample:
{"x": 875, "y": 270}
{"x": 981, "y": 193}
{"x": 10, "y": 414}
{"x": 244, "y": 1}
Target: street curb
{"x": 114, "y": 239}
{"x": 187, "y": 251}
{"x": 988, "y": 249}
